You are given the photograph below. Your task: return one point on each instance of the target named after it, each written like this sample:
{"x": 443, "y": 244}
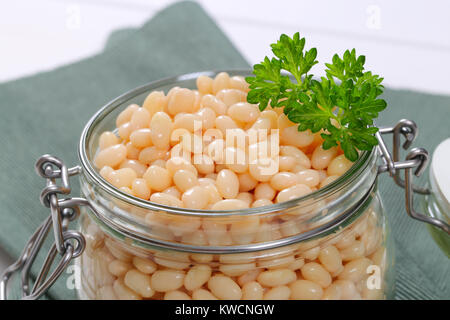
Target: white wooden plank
{"x": 408, "y": 53}
{"x": 420, "y": 69}
{"x": 405, "y": 22}
{"x": 50, "y": 33}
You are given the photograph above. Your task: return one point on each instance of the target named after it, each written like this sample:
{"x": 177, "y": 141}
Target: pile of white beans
{"x": 144, "y": 159}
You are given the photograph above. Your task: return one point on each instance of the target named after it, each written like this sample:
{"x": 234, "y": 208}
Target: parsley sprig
{"x": 343, "y": 104}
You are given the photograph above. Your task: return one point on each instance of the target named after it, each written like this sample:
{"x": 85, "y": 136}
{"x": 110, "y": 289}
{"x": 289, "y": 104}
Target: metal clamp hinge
{"x": 69, "y": 244}
{"x": 417, "y": 159}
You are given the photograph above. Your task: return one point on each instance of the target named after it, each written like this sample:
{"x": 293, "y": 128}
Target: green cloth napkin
{"x": 45, "y": 113}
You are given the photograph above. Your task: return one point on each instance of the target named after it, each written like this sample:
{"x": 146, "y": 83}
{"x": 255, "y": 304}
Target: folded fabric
{"x": 45, "y": 113}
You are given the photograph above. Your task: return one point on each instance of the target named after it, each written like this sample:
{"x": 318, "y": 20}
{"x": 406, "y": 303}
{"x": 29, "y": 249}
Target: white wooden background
{"x": 408, "y": 42}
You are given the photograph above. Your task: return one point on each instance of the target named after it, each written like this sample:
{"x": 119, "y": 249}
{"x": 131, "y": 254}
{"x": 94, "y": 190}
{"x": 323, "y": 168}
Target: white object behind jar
{"x": 440, "y": 174}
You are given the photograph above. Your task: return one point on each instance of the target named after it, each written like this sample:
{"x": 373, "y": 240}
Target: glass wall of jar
{"x": 330, "y": 244}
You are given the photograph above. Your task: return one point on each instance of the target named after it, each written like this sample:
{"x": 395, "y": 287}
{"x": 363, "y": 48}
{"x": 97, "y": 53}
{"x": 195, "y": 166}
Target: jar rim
{"x": 357, "y": 168}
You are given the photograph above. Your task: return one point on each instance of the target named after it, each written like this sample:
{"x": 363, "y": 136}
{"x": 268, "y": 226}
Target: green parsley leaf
{"x": 343, "y": 105}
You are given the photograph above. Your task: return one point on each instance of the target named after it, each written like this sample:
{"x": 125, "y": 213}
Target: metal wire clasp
{"x": 69, "y": 244}
{"x": 417, "y": 158}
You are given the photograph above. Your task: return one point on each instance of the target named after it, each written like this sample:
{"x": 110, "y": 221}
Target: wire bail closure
{"x": 69, "y": 244}
{"x": 417, "y": 159}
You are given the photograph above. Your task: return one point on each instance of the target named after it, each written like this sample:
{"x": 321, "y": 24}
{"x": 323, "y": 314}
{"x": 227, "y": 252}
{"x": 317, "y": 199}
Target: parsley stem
{"x": 299, "y": 79}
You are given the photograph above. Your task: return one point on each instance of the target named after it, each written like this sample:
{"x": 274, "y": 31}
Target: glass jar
{"x": 331, "y": 244}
